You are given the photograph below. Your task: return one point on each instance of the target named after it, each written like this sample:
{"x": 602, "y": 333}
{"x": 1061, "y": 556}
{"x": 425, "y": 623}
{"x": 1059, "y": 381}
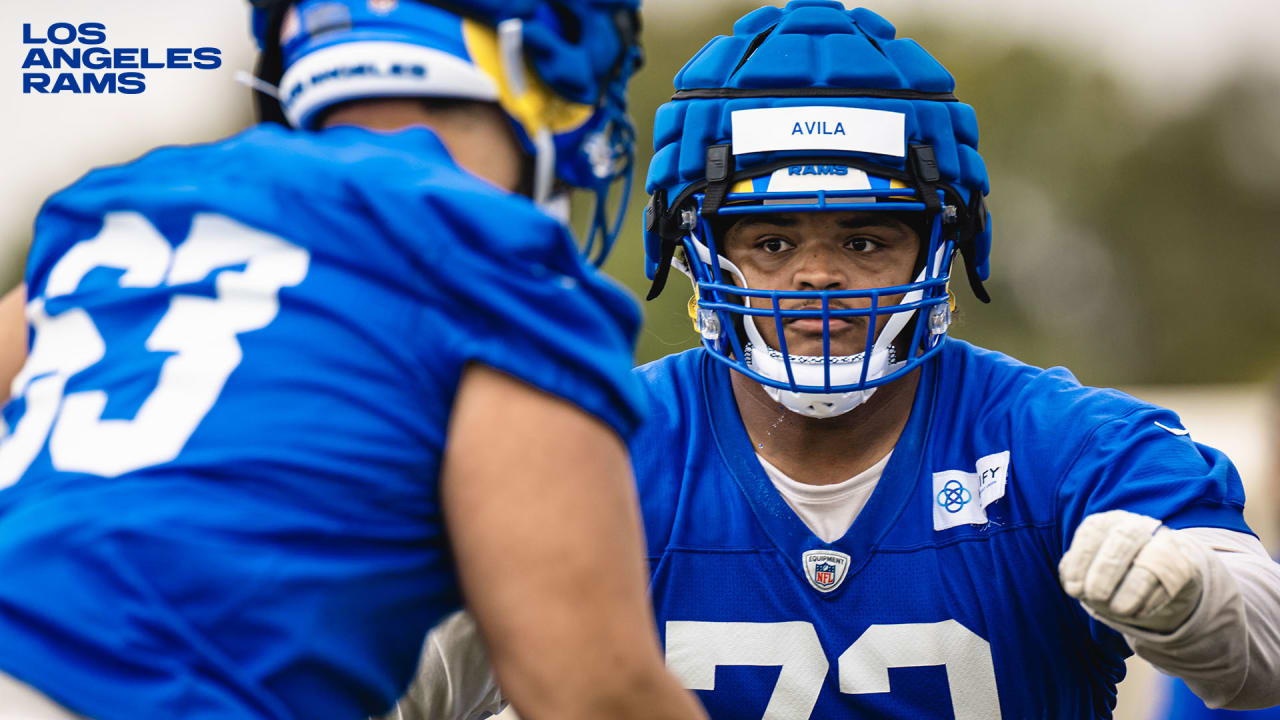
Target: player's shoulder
{"x": 663, "y": 375}
{"x": 408, "y": 182}
{"x": 333, "y": 186}
{"x": 261, "y": 155}
{"x": 343, "y": 165}
{"x": 673, "y": 440}
{"x": 672, "y": 385}
{"x": 990, "y": 403}
{"x": 989, "y": 383}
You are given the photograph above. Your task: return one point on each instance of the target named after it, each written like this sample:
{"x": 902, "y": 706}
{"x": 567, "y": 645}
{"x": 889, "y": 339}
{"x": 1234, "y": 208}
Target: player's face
{"x": 822, "y": 251}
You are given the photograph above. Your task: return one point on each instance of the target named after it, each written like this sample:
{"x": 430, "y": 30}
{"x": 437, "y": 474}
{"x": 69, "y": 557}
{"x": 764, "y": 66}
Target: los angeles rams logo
{"x": 817, "y": 170}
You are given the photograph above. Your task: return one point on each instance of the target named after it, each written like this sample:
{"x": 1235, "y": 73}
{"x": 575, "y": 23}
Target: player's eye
{"x": 773, "y": 245}
{"x": 861, "y": 244}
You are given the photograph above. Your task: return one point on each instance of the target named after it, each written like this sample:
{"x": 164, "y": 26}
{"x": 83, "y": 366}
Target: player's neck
{"x": 830, "y": 450}
{"x": 477, "y": 135}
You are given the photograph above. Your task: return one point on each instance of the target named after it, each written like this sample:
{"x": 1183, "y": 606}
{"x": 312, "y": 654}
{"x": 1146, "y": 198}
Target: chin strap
{"x": 668, "y": 225}
{"x": 657, "y": 221}
{"x": 977, "y": 216}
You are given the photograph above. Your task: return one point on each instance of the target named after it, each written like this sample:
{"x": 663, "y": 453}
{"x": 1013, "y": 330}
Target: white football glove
{"x": 1132, "y": 570}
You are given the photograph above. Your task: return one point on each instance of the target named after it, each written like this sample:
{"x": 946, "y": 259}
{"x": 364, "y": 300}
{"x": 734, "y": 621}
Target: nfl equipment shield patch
{"x": 825, "y": 569}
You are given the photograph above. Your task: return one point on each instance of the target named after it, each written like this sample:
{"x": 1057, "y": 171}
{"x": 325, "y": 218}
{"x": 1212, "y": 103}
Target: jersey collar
{"x": 787, "y": 531}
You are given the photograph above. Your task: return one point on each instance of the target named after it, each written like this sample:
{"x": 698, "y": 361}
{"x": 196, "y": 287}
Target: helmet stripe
{"x": 537, "y": 107}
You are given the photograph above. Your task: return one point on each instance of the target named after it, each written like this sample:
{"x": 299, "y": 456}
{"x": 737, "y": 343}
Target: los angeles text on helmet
{"x": 64, "y": 46}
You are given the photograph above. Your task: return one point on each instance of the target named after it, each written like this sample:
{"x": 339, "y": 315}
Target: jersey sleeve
{"x": 1145, "y": 462}
{"x": 1121, "y": 454}
{"x": 519, "y": 299}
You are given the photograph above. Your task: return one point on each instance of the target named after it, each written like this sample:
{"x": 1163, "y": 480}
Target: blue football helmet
{"x": 814, "y": 108}
{"x": 558, "y": 68}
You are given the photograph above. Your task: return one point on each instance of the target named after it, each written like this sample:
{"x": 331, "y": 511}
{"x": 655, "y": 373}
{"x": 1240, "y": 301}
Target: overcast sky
{"x": 1170, "y": 48}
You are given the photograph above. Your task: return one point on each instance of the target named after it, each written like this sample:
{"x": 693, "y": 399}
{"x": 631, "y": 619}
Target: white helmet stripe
{"x": 378, "y": 68}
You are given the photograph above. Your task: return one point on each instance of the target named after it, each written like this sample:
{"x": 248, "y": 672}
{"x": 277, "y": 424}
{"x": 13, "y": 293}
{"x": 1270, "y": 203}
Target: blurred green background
{"x": 1132, "y": 243}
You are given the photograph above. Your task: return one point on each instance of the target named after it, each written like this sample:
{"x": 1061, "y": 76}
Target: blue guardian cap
{"x": 558, "y": 68}
{"x": 814, "y": 108}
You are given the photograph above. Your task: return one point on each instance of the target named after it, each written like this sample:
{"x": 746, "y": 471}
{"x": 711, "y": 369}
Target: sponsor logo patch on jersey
{"x": 825, "y": 569}
{"x": 961, "y": 497}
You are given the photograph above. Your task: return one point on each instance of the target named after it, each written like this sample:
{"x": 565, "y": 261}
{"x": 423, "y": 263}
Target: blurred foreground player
{"x": 850, "y": 514}
{"x": 228, "y": 479}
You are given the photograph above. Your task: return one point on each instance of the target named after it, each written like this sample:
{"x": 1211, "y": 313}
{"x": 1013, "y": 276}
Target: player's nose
{"x": 818, "y": 268}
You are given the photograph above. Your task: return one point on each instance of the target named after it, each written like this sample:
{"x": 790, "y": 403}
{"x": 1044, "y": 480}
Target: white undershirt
{"x": 828, "y": 510}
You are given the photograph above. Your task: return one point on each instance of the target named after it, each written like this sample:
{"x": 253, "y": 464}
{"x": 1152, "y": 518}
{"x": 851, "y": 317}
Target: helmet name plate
{"x": 819, "y": 127}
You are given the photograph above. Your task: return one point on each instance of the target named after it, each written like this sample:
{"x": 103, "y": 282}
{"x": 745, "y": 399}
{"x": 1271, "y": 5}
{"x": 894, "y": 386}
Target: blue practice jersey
{"x": 223, "y": 452}
{"x": 943, "y": 598}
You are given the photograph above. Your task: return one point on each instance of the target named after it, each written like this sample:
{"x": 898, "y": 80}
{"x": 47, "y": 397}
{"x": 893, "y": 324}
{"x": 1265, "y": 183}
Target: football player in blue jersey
{"x": 228, "y": 487}
{"x": 851, "y": 514}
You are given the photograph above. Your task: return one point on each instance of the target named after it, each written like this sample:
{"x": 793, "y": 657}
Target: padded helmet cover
{"x": 815, "y": 53}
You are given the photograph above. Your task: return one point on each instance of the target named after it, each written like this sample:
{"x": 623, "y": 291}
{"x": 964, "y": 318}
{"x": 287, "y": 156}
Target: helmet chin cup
{"x": 819, "y": 405}
{"x": 809, "y": 370}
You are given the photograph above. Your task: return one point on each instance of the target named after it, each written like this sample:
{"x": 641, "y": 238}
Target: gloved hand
{"x": 1132, "y": 570}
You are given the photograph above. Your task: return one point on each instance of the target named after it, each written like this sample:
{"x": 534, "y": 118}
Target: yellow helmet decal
{"x": 538, "y": 107}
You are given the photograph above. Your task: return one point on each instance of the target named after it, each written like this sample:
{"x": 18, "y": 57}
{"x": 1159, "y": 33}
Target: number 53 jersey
{"x": 222, "y": 454}
{"x": 942, "y": 600}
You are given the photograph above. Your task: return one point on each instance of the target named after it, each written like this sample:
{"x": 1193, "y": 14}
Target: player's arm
{"x": 1199, "y": 603}
{"x": 541, "y": 511}
{"x": 13, "y": 337}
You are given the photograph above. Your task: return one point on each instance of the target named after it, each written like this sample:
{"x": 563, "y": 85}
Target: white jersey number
{"x": 694, "y": 649}
{"x": 200, "y": 332}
